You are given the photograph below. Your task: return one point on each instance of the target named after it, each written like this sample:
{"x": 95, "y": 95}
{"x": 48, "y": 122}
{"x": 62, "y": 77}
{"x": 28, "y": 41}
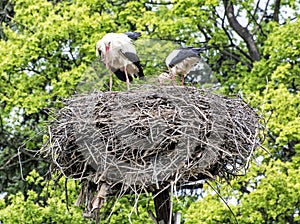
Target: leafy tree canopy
{"x": 47, "y": 52}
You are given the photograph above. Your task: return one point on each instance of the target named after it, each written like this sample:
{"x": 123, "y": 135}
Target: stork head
{"x": 102, "y": 47}
{"x": 107, "y": 46}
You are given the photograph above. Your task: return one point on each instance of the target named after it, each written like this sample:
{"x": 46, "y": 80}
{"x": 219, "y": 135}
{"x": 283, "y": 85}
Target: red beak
{"x": 106, "y": 49}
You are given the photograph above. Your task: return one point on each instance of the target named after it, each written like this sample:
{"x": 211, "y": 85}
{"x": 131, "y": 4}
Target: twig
{"x": 215, "y": 190}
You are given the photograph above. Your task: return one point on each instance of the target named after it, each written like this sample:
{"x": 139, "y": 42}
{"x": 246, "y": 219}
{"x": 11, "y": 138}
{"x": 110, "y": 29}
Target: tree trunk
{"x": 162, "y": 206}
{"x": 276, "y": 11}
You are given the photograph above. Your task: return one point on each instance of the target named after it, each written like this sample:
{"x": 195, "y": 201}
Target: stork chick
{"x": 164, "y": 77}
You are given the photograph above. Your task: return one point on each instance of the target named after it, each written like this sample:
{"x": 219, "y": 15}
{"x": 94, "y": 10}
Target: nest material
{"x": 152, "y": 136}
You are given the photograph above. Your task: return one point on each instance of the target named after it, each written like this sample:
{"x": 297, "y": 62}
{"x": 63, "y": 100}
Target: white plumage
{"x": 119, "y": 55}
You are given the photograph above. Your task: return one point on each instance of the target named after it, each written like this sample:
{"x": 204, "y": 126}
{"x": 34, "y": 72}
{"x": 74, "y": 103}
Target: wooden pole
{"x": 162, "y": 205}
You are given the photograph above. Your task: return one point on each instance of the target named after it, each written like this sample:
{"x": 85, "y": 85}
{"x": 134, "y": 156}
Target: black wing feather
{"x": 121, "y": 75}
{"x": 133, "y": 35}
{"x": 183, "y": 54}
{"x": 136, "y": 61}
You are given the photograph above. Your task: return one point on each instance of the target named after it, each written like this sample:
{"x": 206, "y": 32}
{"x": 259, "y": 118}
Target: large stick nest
{"x": 153, "y": 136}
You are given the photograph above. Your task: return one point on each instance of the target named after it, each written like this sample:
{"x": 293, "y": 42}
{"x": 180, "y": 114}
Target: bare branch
{"x": 254, "y": 13}
{"x": 261, "y": 19}
{"x": 205, "y": 34}
{"x": 233, "y": 45}
{"x": 241, "y": 31}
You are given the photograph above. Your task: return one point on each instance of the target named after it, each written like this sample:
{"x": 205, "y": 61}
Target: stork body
{"x": 119, "y": 55}
{"x": 181, "y": 61}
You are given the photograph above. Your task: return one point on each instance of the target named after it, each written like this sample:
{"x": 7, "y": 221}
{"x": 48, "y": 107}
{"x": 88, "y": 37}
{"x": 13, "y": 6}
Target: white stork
{"x": 181, "y": 61}
{"x": 119, "y": 55}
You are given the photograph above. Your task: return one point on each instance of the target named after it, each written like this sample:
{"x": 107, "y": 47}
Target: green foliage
{"x": 269, "y": 191}
{"x": 267, "y": 194}
{"x": 212, "y": 212}
{"x": 274, "y": 85}
{"x": 47, "y": 52}
{"x": 126, "y": 211}
{"x": 48, "y": 206}
{"x": 275, "y": 198}
{"x": 39, "y": 66}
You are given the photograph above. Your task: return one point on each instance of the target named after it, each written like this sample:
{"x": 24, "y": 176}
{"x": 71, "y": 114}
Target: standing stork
{"x": 181, "y": 61}
{"x": 119, "y": 55}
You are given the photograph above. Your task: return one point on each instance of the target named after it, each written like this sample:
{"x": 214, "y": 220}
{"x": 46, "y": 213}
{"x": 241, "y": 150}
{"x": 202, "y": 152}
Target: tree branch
{"x": 241, "y": 31}
{"x": 26, "y": 27}
{"x": 276, "y": 10}
{"x": 231, "y": 54}
{"x": 159, "y": 3}
{"x": 207, "y": 38}
{"x": 254, "y": 13}
{"x": 261, "y": 19}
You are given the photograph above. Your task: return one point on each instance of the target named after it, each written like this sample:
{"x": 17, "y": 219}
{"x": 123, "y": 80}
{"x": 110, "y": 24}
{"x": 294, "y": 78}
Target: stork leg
{"x": 110, "y": 80}
{"x": 173, "y": 76}
{"x": 110, "y": 72}
{"x": 182, "y": 79}
{"x": 127, "y": 79}
{"x": 174, "y": 80}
